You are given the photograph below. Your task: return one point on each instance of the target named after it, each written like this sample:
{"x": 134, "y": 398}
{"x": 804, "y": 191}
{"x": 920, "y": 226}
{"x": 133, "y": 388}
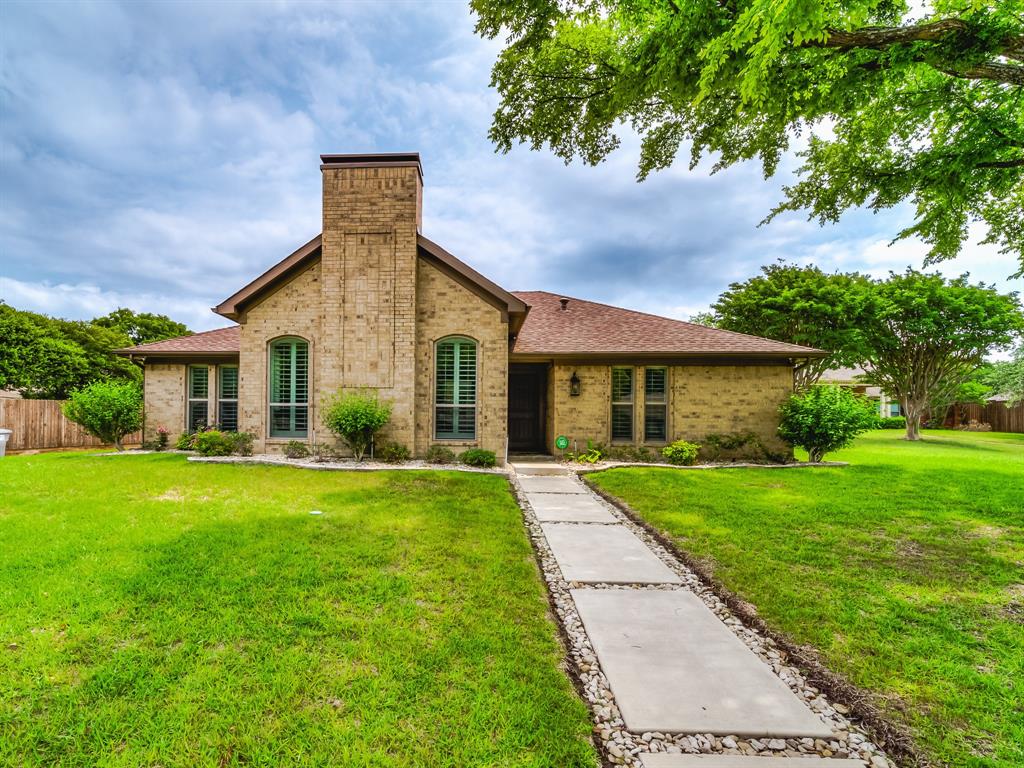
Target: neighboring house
{"x": 850, "y": 377}
{"x": 373, "y": 304}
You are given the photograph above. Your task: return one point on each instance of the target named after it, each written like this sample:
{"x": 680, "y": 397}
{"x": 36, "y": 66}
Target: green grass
{"x": 156, "y": 612}
{"x": 905, "y": 570}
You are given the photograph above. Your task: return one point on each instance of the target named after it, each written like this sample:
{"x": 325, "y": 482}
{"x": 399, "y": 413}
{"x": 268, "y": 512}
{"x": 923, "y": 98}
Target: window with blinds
{"x": 289, "y": 388}
{"x": 227, "y": 397}
{"x": 655, "y": 405}
{"x": 198, "y": 407}
{"x": 622, "y": 404}
{"x": 455, "y": 390}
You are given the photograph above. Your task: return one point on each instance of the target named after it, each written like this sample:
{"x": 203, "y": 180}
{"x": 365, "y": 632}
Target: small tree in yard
{"x": 924, "y": 336}
{"x": 108, "y": 410}
{"x": 356, "y": 417}
{"x": 825, "y": 419}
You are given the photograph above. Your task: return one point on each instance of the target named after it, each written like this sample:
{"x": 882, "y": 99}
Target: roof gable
{"x": 234, "y": 305}
{"x": 591, "y": 328}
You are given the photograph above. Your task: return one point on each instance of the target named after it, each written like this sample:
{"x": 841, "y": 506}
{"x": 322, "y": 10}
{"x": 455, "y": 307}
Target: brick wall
{"x": 446, "y": 308}
{"x": 703, "y": 400}
{"x": 165, "y": 400}
{"x": 292, "y": 310}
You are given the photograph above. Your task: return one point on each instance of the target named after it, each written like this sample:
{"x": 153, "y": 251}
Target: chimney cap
{"x": 373, "y": 160}
{"x": 564, "y": 302}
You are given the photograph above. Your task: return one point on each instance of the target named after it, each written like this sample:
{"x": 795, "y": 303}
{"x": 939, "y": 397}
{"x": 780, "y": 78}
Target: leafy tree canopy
{"x": 903, "y": 106}
{"x": 142, "y": 327}
{"x": 1006, "y": 378}
{"x": 46, "y": 357}
{"x": 923, "y": 336}
{"x": 799, "y": 305}
{"x": 825, "y": 419}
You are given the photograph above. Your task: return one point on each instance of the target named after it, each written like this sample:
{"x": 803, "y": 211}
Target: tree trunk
{"x": 814, "y": 455}
{"x": 117, "y": 444}
{"x": 913, "y": 416}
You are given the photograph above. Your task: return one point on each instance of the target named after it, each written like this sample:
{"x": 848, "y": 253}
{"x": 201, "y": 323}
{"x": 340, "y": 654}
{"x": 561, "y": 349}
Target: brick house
{"x": 371, "y": 303}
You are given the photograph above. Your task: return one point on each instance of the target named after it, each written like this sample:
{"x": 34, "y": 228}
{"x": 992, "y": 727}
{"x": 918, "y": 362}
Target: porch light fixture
{"x": 574, "y": 385}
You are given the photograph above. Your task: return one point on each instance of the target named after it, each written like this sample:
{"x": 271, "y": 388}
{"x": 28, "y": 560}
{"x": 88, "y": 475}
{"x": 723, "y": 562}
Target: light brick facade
{"x": 165, "y": 400}
{"x": 702, "y": 400}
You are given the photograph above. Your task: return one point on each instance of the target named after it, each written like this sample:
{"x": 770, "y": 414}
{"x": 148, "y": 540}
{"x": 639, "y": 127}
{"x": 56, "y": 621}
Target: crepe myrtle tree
{"x": 924, "y": 336}
{"x": 891, "y": 102}
{"x": 799, "y": 305}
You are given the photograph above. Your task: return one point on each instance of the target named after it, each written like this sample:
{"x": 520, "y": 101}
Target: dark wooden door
{"x": 527, "y": 396}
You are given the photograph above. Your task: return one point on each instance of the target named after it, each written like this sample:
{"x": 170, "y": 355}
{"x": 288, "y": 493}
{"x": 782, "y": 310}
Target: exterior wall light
{"x": 574, "y": 385}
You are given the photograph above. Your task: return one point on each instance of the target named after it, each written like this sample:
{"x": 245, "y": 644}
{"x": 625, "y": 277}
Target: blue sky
{"x": 159, "y": 156}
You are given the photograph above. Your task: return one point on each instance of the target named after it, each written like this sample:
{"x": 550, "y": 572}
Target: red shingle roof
{"x": 223, "y": 341}
{"x": 589, "y": 328}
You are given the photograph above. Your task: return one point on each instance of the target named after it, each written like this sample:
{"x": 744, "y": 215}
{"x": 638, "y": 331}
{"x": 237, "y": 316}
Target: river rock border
{"x": 621, "y": 747}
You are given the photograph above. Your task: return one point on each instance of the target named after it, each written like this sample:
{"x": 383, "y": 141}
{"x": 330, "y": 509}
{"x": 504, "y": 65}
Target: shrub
{"x": 322, "y": 452}
{"x": 681, "y": 452}
{"x": 186, "y": 441}
{"x": 892, "y": 422}
{"x": 108, "y": 410}
{"x": 295, "y": 449}
{"x": 635, "y": 453}
{"x": 738, "y": 445}
{"x": 824, "y": 419}
{"x": 392, "y": 453}
{"x": 241, "y": 442}
{"x": 440, "y": 454}
{"x": 213, "y": 442}
{"x": 478, "y": 457}
{"x": 356, "y": 417}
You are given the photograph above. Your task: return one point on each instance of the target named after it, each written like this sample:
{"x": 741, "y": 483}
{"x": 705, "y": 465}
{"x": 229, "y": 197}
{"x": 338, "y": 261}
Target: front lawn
{"x": 905, "y": 570}
{"x": 156, "y": 612}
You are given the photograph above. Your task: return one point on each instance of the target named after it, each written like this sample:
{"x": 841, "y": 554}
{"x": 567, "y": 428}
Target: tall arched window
{"x": 289, "y": 388}
{"x": 455, "y": 390}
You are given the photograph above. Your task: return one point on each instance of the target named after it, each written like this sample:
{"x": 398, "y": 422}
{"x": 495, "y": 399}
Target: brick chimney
{"x": 372, "y": 211}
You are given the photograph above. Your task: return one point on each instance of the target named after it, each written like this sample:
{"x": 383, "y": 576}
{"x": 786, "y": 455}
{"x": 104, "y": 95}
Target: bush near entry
{"x": 478, "y": 457}
{"x": 681, "y": 452}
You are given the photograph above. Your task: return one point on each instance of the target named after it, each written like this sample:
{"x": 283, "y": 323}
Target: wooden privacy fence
{"x": 40, "y": 424}
{"x": 1001, "y": 418}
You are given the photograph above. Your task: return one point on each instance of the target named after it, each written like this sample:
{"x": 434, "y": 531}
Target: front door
{"x": 527, "y": 400}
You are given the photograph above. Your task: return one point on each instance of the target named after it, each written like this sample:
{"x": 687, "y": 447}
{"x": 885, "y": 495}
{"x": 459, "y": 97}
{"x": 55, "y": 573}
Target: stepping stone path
{"x": 681, "y": 680}
{"x": 605, "y": 554}
{"x": 743, "y": 761}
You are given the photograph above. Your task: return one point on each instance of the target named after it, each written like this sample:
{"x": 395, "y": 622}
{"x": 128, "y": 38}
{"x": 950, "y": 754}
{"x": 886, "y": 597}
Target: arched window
{"x": 455, "y": 390}
{"x": 289, "y": 388}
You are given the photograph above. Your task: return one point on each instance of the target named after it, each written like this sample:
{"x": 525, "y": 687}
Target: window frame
{"x": 221, "y": 400}
{"x": 631, "y": 403}
{"x": 190, "y": 399}
{"x": 657, "y": 404}
{"x": 455, "y": 435}
{"x": 294, "y": 404}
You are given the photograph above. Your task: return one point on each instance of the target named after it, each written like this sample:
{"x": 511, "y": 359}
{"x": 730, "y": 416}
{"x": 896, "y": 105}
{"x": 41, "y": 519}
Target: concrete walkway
{"x": 672, "y": 665}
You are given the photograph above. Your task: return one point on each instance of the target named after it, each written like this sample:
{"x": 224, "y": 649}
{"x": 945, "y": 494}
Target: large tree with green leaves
{"x": 897, "y": 104}
{"x": 47, "y": 357}
{"x": 799, "y": 305}
{"x": 142, "y": 327}
{"x": 923, "y": 336}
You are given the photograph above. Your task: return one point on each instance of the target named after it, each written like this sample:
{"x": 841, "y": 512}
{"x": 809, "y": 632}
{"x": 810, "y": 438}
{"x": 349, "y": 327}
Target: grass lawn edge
{"x": 568, "y": 666}
{"x": 894, "y": 739}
